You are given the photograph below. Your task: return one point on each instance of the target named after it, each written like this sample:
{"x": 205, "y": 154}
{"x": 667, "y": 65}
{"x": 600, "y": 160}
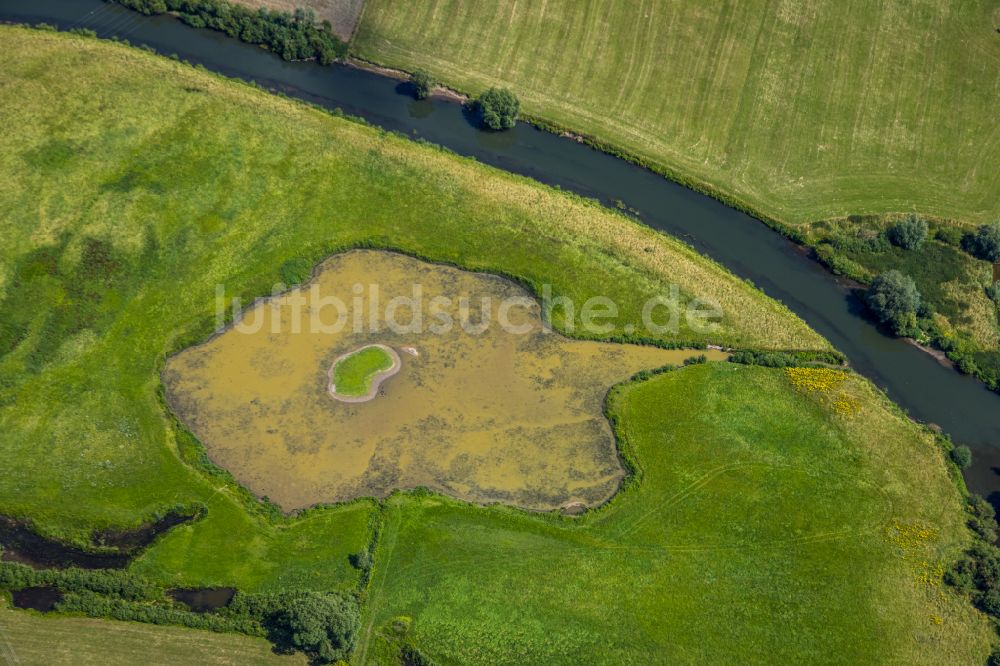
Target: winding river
{"x": 929, "y": 390}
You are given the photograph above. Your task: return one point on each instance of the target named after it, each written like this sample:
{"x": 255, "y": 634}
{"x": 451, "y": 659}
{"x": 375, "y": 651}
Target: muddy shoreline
{"x": 438, "y": 91}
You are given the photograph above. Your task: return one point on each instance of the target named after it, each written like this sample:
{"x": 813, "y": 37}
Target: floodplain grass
{"x": 800, "y": 111}
{"x": 29, "y": 638}
{"x": 136, "y": 184}
{"x": 767, "y": 524}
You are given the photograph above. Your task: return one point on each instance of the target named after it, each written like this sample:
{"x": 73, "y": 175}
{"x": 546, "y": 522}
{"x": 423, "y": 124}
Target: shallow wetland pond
{"x": 491, "y": 416}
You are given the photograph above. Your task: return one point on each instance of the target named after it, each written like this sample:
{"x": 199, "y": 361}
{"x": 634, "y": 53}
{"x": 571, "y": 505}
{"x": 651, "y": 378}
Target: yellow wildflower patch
{"x": 810, "y": 380}
{"x": 914, "y": 542}
{"x": 825, "y": 382}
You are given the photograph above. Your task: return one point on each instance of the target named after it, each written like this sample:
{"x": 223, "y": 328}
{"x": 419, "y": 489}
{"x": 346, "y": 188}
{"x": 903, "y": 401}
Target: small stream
{"x": 930, "y": 391}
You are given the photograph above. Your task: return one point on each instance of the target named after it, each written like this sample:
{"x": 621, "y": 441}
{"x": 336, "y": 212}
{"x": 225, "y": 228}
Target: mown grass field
{"x": 27, "y": 639}
{"x": 134, "y": 185}
{"x": 771, "y": 525}
{"x": 802, "y": 111}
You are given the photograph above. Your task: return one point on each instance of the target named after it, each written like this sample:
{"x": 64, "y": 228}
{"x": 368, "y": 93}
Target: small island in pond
{"x": 357, "y": 375}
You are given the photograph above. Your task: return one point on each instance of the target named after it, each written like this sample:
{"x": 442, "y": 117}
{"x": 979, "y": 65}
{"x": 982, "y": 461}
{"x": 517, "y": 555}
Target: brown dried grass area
{"x": 495, "y": 417}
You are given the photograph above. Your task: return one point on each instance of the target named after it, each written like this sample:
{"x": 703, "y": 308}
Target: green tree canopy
{"x": 422, "y": 84}
{"x": 498, "y": 108}
{"x": 894, "y": 299}
{"x": 985, "y": 242}
{"x": 323, "y": 625}
{"x": 962, "y": 456}
{"x": 908, "y": 234}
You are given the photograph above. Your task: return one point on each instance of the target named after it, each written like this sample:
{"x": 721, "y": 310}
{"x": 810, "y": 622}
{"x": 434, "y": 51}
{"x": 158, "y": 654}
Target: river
{"x": 928, "y": 390}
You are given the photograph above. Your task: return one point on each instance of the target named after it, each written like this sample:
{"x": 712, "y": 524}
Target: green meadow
{"x": 771, "y": 515}
{"x": 767, "y": 525}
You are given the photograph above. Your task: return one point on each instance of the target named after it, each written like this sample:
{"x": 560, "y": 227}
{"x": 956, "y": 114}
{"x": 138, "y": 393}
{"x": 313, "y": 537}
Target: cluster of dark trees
{"x": 422, "y": 84}
{"x": 984, "y": 243}
{"x": 324, "y": 626}
{"x": 783, "y": 359}
{"x": 978, "y": 572}
{"x": 894, "y": 298}
{"x": 111, "y": 582}
{"x": 294, "y": 36}
{"x": 98, "y": 605}
{"x": 498, "y": 109}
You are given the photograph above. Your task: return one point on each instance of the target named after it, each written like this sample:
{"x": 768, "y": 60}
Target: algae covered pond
{"x": 482, "y": 411}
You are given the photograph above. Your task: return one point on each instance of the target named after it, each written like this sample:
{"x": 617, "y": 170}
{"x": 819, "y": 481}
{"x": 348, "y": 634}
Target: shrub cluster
{"x": 422, "y": 84}
{"x": 411, "y": 656}
{"x": 978, "y": 572}
{"x": 909, "y": 234}
{"x": 894, "y": 299}
{"x": 961, "y": 456}
{"x": 784, "y": 359}
{"x": 984, "y": 243}
{"x": 96, "y": 605}
{"x": 293, "y": 36}
{"x": 110, "y": 582}
{"x": 498, "y": 108}
{"x": 295, "y": 271}
{"x": 863, "y": 240}
{"x": 323, "y": 625}
{"x": 643, "y": 375}
{"x": 949, "y": 236}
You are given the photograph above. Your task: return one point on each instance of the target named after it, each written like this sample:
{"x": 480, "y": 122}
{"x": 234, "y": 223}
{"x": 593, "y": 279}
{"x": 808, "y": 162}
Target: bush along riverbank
{"x": 293, "y": 36}
{"x": 977, "y": 573}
